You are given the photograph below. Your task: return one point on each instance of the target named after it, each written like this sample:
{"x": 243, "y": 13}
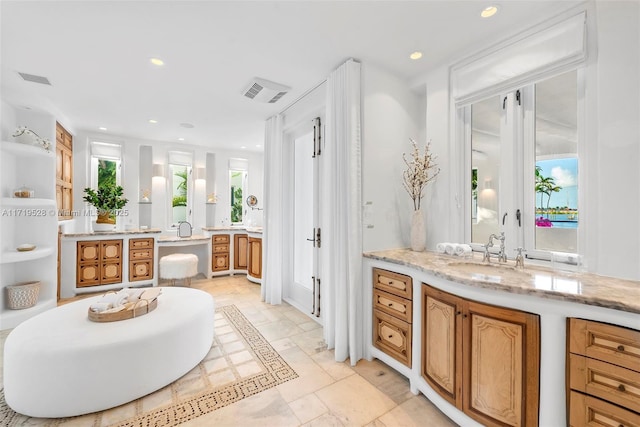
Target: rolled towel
{"x": 449, "y": 248}
{"x": 440, "y": 247}
{"x": 133, "y": 295}
{"x": 116, "y": 299}
{"x": 463, "y": 250}
{"x": 99, "y": 307}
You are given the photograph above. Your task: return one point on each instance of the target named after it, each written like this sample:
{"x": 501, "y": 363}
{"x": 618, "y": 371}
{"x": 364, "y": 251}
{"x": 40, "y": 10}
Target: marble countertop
{"x": 112, "y": 233}
{"x": 234, "y": 228}
{"x": 543, "y": 282}
{"x": 172, "y": 239}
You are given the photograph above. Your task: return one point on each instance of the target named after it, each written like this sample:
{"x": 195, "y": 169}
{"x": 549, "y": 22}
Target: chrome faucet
{"x": 519, "y": 257}
{"x": 502, "y": 256}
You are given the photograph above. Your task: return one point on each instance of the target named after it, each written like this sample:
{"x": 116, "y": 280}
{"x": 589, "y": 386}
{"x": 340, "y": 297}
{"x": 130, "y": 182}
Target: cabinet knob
{"x": 390, "y": 282}
{"x": 458, "y": 313}
{"x": 390, "y": 336}
{"x": 620, "y": 348}
{"x": 621, "y": 387}
{"x": 390, "y": 304}
{"x": 464, "y": 315}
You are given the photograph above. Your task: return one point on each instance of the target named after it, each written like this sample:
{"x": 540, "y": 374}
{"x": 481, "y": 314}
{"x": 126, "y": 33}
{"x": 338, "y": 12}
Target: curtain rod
{"x": 303, "y": 95}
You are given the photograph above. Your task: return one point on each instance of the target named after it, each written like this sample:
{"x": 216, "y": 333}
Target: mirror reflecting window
{"x": 485, "y": 168}
{"x": 237, "y": 187}
{"x": 180, "y": 184}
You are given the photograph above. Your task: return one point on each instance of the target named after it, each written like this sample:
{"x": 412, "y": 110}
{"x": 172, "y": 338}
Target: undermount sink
{"x": 493, "y": 269}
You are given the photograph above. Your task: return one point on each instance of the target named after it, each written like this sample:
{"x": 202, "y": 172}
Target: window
{"x": 180, "y": 186}
{"x": 523, "y": 174}
{"x": 105, "y": 164}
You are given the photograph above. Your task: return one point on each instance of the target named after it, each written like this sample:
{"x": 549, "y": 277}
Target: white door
{"x": 304, "y": 288}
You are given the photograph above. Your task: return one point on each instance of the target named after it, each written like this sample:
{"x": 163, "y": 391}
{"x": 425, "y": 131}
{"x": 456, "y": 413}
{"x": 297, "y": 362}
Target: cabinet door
{"x": 67, "y": 166}
{"x": 501, "y": 365}
{"x": 87, "y": 275}
{"x": 255, "y": 257}
{"x": 240, "y": 251}
{"x": 140, "y": 270}
{"x": 393, "y": 336}
{"x": 220, "y": 262}
{"x": 442, "y": 343}
{"x": 111, "y": 250}
{"x": 88, "y": 251}
{"x": 110, "y": 272}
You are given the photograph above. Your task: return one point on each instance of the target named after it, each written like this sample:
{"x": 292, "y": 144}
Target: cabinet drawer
{"x": 220, "y": 249}
{"x": 220, "y": 238}
{"x": 140, "y": 243}
{"x": 613, "y": 344}
{"x": 609, "y": 382}
{"x": 590, "y": 411}
{"x": 135, "y": 254}
{"x": 393, "y": 305}
{"x": 397, "y": 284}
{"x": 393, "y": 336}
{"x": 220, "y": 262}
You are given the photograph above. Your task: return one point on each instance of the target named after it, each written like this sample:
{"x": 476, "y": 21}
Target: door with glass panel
{"x": 303, "y": 289}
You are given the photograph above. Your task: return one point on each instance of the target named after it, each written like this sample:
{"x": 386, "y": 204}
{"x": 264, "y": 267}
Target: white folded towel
{"x": 99, "y": 307}
{"x": 463, "y": 250}
{"x": 440, "y": 247}
{"x": 133, "y": 294}
{"x": 449, "y": 248}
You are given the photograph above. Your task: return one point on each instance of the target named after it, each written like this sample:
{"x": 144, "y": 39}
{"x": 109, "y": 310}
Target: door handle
{"x": 519, "y": 217}
{"x": 504, "y": 217}
{"x": 312, "y": 239}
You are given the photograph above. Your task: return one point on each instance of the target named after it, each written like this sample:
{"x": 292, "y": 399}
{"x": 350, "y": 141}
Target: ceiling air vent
{"x": 35, "y": 79}
{"x": 265, "y": 91}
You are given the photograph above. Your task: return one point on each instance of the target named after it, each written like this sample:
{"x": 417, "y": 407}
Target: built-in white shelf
{"x": 27, "y": 203}
{"x": 12, "y": 318}
{"x": 19, "y": 149}
{"x": 16, "y": 256}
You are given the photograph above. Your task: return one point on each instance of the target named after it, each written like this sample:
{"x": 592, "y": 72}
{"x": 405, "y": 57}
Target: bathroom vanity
{"x": 488, "y": 344}
{"x": 236, "y": 249}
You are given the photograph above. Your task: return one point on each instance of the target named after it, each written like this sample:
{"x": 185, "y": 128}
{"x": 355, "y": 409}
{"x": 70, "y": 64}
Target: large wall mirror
{"x": 180, "y": 186}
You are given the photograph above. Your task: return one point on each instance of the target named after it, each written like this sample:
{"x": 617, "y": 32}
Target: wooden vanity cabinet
{"x": 254, "y": 257}
{"x": 240, "y": 251}
{"x": 220, "y": 252}
{"x": 483, "y": 359}
{"x": 393, "y": 314}
{"x": 603, "y": 374}
{"x": 140, "y": 259}
{"x": 99, "y": 262}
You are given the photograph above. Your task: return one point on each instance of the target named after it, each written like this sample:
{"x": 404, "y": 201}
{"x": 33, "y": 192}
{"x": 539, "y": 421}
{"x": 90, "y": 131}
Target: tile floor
{"x": 326, "y": 393}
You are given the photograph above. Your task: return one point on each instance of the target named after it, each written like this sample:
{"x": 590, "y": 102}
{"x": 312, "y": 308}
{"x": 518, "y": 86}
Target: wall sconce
{"x": 158, "y": 170}
{"x": 201, "y": 173}
{"x": 488, "y": 184}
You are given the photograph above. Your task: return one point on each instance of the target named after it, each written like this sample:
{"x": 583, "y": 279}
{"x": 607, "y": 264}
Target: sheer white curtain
{"x": 341, "y": 269}
{"x": 272, "y": 249}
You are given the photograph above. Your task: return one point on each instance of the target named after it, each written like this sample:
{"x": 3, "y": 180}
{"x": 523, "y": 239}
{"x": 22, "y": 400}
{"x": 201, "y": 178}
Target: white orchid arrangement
{"x": 421, "y": 170}
{"x": 35, "y": 138}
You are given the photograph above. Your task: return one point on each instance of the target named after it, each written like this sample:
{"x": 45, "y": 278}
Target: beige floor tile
{"x": 326, "y": 420}
{"x": 240, "y": 357}
{"x": 310, "y": 341}
{"x": 214, "y": 365}
{"x": 416, "y": 412}
{"x": 308, "y": 407}
{"x": 119, "y": 413}
{"x": 221, "y": 378}
{"x": 279, "y": 329}
{"x": 327, "y": 361}
{"x": 266, "y": 409}
{"x": 156, "y": 399}
{"x": 247, "y": 369}
{"x": 355, "y": 401}
{"x": 311, "y": 376}
{"x": 282, "y": 344}
{"x": 387, "y": 379}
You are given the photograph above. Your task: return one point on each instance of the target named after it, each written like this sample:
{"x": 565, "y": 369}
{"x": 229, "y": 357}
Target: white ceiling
{"x": 96, "y": 56}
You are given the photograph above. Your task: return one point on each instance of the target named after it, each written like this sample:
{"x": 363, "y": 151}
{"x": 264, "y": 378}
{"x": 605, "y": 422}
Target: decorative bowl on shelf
{"x": 25, "y": 247}
{"x": 23, "y": 192}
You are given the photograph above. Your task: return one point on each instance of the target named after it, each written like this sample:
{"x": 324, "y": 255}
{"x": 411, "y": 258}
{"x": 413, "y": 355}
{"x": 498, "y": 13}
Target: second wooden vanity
{"x": 488, "y": 345}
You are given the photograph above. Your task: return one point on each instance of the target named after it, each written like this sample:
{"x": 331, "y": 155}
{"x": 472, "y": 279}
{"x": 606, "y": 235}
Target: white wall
{"x": 611, "y": 172}
{"x": 392, "y": 113}
{"x": 159, "y": 195}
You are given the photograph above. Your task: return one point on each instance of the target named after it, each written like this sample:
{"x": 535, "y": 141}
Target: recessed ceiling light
{"x": 180, "y": 139}
{"x": 102, "y": 128}
{"x": 489, "y": 11}
{"x": 157, "y": 62}
{"x": 416, "y": 55}
{"x": 152, "y": 121}
{"x": 243, "y": 147}
{"x": 258, "y": 145}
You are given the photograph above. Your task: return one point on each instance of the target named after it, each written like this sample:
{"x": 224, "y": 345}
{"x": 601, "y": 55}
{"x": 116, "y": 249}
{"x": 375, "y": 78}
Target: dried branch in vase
{"x": 421, "y": 170}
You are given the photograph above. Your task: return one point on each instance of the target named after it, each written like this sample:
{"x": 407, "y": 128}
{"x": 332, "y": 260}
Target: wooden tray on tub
{"x": 147, "y": 303}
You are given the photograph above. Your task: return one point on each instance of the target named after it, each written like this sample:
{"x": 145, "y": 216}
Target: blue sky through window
{"x": 565, "y": 174}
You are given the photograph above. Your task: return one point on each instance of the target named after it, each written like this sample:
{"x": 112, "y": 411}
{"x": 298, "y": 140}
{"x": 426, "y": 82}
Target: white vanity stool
{"x": 179, "y": 266}
{"x": 61, "y": 364}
